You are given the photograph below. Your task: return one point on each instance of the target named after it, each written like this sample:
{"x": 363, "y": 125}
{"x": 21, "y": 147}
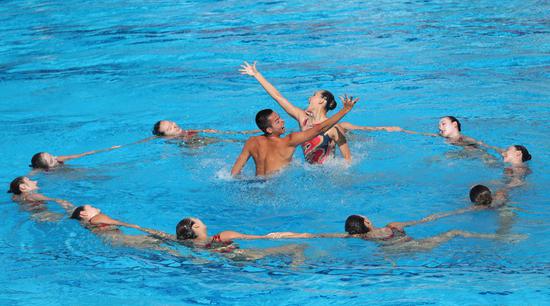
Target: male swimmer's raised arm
{"x": 352, "y": 127}
{"x": 69, "y": 157}
{"x": 297, "y": 138}
{"x": 242, "y": 159}
{"x": 289, "y": 108}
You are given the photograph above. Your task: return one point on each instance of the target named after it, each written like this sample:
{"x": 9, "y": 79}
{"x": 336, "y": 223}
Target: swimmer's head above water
{"x": 167, "y": 128}
{"x": 22, "y": 184}
{"x": 516, "y": 155}
{"x": 481, "y": 195}
{"x": 356, "y": 224}
{"x": 85, "y": 213}
{"x": 44, "y": 160}
{"x": 190, "y": 228}
{"x": 449, "y": 127}
{"x": 322, "y": 99}
{"x": 270, "y": 122}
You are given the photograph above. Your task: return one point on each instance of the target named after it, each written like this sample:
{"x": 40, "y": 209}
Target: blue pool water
{"x": 83, "y": 75}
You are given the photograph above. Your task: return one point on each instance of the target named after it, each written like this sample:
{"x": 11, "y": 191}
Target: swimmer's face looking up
{"x": 25, "y": 185}
{"x": 44, "y": 160}
{"x": 167, "y": 128}
{"x": 321, "y": 99}
{"x": 448, "y": 128}
{"x": 277, "y": 124}
{"x": 516, "y": 154}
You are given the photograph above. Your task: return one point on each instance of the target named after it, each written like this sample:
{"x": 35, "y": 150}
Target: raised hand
{"x": 349, "y": 102}
{"x": 246, "y": 68}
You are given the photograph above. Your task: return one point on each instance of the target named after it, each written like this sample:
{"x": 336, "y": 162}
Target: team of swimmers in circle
{"x": 272, "y": 151}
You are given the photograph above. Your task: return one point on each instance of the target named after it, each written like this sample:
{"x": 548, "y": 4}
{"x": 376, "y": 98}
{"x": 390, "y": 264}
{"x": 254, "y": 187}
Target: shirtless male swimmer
{"x": 270, "y": 151}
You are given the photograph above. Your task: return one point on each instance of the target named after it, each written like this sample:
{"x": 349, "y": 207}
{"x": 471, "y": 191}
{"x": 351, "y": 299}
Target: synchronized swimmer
{"x": 272, "y": 152}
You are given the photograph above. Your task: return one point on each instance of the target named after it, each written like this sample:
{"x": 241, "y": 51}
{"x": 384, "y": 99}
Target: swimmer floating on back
{"x": 193, "y": 232}
{"x": 271, "y": 152}
{"x": 392, "y": 235}
{"x": 320, "y": 147}
{"x": 25, "y": 192}
{"x": 47, "y": 161}
{"x": 171, "y": 130}
{"x": 109, "y": 229}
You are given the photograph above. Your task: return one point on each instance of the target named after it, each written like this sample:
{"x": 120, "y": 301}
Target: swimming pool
{"x": 76, "y": 76}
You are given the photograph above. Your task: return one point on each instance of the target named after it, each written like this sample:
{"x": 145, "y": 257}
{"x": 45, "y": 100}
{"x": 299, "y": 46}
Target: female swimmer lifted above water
{"x": 320, "y": 148}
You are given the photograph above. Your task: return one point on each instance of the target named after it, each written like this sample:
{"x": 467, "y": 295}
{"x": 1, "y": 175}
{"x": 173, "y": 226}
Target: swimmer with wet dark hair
{"x": 47, "y": 161}
{"x": 516, "y": 155}
{"x": 193, "y": 232}
{"x": 393, "y": 235}
{"x": 109, "y": 229}
{"x": 450, "y": 128}
{"x": 270, "y": 151}
{"x": 171, "y": 130}
{"x": 25, "y": 192}
{"x": 320, "y": 148}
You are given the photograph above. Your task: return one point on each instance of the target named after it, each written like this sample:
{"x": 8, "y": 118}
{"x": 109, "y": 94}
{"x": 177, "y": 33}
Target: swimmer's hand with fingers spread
{"x": 248, "y": 69}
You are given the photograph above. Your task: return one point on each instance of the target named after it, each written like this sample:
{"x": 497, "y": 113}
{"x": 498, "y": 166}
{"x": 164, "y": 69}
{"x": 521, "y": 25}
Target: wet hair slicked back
{"x": 38, "y": 161}
{"x": 356, "y": 225}
{"x": 525, "y": 156}
{"x": 453, "y": 119}
{"x": 481, "y": 195}
{"x": 331, "y": 103}
{"x": 262, "y": 119}
{"x": 76, "y": 213}
{"x": 14, "y": 185}
{"x": 156, "y": 129}
{"x": 184, "y": 229}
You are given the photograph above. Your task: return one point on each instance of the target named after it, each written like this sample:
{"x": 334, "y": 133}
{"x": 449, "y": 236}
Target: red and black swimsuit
{"x": 218, "y": 245}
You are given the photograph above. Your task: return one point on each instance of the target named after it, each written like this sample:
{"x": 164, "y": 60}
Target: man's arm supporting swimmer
{"x": 297, "y": 138}
{"x": 69, "y": 157}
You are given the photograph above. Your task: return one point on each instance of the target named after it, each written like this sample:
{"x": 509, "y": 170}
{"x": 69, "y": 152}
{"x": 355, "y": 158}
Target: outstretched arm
{"x": 68, "y": 206}
{"x": 213, "y": 131}
{"x": 420, "y": 133}
{"x": 155, "y": 233}
{"x": 292, "y": 235}
{"x": 433, "y": 217}
{"x": 289, "y": 108}
{"x": 352, "y": 127}
{"x": 69, "y": 157}
{"x": 297, "y": 138}
{"x": 242, "y": 159}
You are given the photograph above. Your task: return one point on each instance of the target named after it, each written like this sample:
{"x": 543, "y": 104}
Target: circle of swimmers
{"x": 319, "y": 136}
